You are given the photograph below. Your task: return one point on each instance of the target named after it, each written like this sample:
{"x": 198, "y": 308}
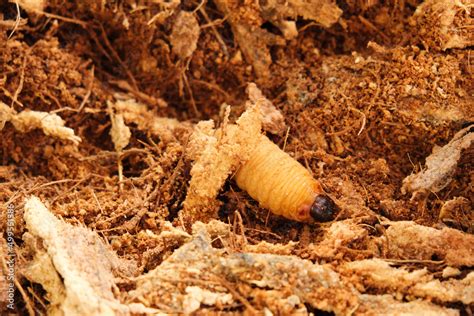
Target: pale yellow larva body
{"x": 278, "y": 182}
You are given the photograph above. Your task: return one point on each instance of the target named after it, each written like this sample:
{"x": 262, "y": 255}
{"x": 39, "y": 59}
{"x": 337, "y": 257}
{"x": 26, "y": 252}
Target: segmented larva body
{"x": 283, "y": 186}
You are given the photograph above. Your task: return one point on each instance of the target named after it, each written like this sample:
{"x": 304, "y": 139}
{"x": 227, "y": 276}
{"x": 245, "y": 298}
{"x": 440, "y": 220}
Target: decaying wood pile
{"x": 124, "y": 125}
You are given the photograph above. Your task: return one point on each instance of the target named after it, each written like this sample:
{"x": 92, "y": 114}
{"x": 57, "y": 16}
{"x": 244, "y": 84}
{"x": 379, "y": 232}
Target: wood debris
{"x": 271, "y": 118}
{"x": 246, "y": 20}
{"x": 376, "y": 273}
{"x": 214, "y": 273}
{"x": 410, "y": 241}
{"x": 25, "y": 121}
{"x": 148, "y": 121}
{"x": 457, "y": 211}
{"x": 324, "y": 12}
{"x": 197, "y": 260}
{"x": 336, "y": 237}
{"x": 75, "y": 286}
{"x": 440, "y": 165}
{"x": 195, "y": 296}
{"x": 185, "y": 34}
{"x": 444, "y": 24}
{"x": 216, "y": 154}
{"x": 359, "y": 92}
{"x": 388, "y": 305}
{"x": 119, "y": 132}
{"x": 32, "y": 5}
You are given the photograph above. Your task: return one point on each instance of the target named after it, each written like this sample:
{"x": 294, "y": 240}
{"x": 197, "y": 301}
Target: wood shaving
{"x": 456, "y": 208}
{"x": 32, "y": 5}
{"x": 25, "y": 121}
{"x": 148, "y": 121}
{"x": 76, "y": 286}
{"x": 205, "y": 269}
{"x": 196, "y": 296}
{"x": 119, "y": 132}
{"x": 388, "y": 305}
{"x": 376, "y": 273}
{"x": 337, "y": 236}
{"x": 380, "y": 273}
{"x": 216, "y": 154}
{"x": 440, "y": 165}
{"x": 272, "y": 119}
{"x": 6, "y": 114}
{"x": 448, "y": 291}
{"x": 407, "y": 240}
{"x": 185, "y": 34}
{"x": 198, "y": 260}
{"x": 326, "y": 14}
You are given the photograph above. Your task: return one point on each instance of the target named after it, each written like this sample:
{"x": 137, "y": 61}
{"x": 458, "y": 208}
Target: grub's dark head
{"x": 323, "y": 209}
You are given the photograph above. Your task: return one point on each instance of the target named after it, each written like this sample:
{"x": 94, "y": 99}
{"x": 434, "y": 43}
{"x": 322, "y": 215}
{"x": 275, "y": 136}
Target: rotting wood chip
{"x": 147, "y": 120}
{"x": 25, "y": 121}
{"x": 185, "y": 34}
{"x": 440, "y": 165}
{"x": 216, "y": 273}
{"x": 272, "y": 119}
{"x": 408, "y": 240}
{"x": 379, "y": 274}
{"x": 216, "y": 153}
{"x": 75, "y": 286}
{"x": 120, "y": 133}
